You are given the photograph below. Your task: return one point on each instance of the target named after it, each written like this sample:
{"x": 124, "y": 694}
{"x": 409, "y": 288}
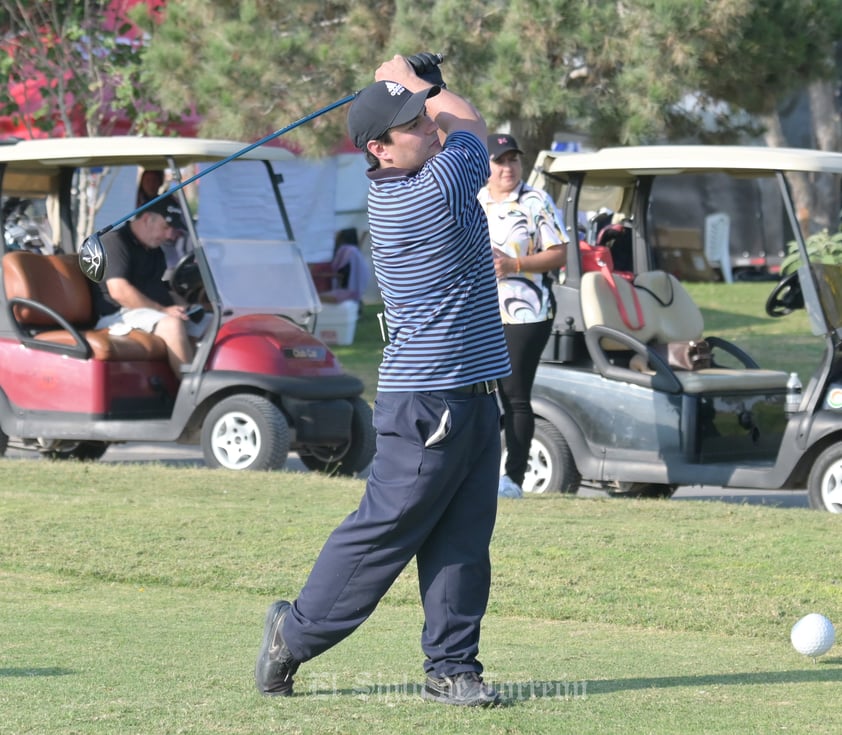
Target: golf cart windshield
{"x": 252, "y": 264}
{"x": 255, "y": 267}
{"x": 829, "y": 281}
{"x": 239, "y": 252}
{"x": 708, "y": 212}
{"x": 261, "y": 277}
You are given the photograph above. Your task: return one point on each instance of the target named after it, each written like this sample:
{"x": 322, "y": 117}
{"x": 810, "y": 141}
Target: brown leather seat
{"x": 56, "y": 282}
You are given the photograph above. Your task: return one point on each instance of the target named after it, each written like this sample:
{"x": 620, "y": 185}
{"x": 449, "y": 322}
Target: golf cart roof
{"x": 48, "y": 155}
{"x": 620, "y": 165}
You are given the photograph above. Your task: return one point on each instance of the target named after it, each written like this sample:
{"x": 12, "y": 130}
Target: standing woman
{"x": 528, "y": 243}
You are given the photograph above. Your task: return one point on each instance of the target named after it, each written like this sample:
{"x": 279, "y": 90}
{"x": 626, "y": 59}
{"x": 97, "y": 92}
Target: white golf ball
{"x": 813, "y": 635}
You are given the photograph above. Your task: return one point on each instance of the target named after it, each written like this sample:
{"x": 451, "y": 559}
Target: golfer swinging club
{"x": 432, "y": 490}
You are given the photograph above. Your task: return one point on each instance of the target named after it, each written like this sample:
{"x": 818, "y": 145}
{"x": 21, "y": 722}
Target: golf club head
{"x": 92, "y": 258}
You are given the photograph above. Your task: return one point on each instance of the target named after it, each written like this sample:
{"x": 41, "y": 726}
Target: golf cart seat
{"x": 51, "y": 304}
{"x": 666, "y": 314}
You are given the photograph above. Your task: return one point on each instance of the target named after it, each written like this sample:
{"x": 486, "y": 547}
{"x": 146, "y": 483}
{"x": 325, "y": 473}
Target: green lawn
{"x": 132, "y": 600}
{"x": 736, "y": 312}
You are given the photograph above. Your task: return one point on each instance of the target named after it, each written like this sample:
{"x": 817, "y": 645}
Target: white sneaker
{"x": 508, "y": 488}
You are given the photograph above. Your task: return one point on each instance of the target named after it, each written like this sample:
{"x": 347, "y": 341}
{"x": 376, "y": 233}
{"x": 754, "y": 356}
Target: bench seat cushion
{"x": 136, "y": 345}
{"x": 723, "y": 380}
{"x": 57, "y": 282}
{"x": 669, "y": 315}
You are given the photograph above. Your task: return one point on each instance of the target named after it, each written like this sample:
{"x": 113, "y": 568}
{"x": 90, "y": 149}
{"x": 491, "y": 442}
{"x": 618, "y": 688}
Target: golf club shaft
{"x": 277, "y": 134}
{"x": 217, "y": 164}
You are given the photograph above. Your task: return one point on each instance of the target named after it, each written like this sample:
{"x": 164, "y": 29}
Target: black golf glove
{"x": 426, "y": 66}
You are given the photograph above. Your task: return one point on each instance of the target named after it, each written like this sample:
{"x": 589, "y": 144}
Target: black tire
{"x": 824, "y": 484}
{"x": 4, "y": 443}
{"x": 551, "y": 467}
{"x": 245, "y": 432}
{"x": 643, "y": 490}
{"x": 349, "y": 458}
{"x": 84, "y": 452}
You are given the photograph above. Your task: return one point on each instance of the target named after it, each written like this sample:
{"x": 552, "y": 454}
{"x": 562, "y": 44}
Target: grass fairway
{"x": 132, "y": 601}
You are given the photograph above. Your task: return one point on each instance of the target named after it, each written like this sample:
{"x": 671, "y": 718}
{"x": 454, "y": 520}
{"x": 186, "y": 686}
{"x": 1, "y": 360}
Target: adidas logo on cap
{"x": 395, "y": 89}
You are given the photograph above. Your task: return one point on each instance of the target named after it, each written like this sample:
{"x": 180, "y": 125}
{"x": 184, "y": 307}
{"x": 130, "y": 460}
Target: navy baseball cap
{"x": 500, "y": 143}
{"x": 382, "y": 106}
{"x": 170, "y": 210}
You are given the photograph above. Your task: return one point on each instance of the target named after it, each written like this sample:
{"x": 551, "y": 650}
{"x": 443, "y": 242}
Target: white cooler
{"x": 336, "y": 323}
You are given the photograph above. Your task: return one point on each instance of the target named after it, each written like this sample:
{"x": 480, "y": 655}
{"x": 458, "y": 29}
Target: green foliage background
{"x": 620, "y": 72}
{"x": 614, "y": 70}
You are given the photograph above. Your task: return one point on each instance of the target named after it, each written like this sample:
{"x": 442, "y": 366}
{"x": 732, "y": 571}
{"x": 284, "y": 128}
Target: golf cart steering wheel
{"x": 185, "y": 279}
{"x": 786, "y": 297}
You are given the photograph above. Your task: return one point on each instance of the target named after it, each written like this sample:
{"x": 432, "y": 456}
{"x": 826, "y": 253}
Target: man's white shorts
{"x": 123, "y": 321}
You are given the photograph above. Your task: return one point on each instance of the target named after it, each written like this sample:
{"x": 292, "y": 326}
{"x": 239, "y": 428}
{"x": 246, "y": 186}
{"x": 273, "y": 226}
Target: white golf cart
{"x": 611, "y": 410}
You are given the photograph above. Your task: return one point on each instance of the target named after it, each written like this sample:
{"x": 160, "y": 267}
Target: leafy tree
{"x": 618, "y": 70}
{"x": 80, "y": 67}
{"x": 254, "y": 66}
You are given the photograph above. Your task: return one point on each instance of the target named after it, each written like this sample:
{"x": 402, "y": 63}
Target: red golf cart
{"x": 260, "y": 385}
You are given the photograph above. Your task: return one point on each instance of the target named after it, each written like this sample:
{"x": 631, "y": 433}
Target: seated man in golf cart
{"x": 132, "y": 295}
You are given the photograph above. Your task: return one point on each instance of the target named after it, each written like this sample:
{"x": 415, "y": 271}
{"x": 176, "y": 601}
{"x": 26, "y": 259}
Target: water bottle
{"x": 793, "y": 393}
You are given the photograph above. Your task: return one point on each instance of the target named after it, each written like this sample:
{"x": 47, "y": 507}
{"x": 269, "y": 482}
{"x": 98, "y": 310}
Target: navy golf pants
{"x": 431, "y": 494}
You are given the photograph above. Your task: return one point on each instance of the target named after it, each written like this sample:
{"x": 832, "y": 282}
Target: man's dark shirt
{"x": 143, "y": 267}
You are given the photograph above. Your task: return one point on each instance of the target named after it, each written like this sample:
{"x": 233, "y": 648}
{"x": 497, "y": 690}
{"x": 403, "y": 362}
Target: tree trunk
{"x": 826, "y": 127}
{"x": 799, "y": 183}
{"x": 817, "y": 196}
{"x": 533, "y": 138}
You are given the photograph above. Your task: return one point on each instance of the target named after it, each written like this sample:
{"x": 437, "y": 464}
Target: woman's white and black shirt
{"x": 524, "y": 223}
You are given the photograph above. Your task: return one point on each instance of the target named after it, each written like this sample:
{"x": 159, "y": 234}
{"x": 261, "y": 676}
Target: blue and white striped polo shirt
{"x": 431, "y": 254}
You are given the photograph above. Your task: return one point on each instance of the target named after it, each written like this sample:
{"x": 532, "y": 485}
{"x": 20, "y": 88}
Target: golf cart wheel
{"x": 245, "y": 432}
{"x": 350, "y": 458}
{"x": 4, "y": 442}
{"x": 824, "y": 485}
{"x": 83, "y": 451}
{"x": 643, "y": 490}
{"x": 551, "y": 467}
